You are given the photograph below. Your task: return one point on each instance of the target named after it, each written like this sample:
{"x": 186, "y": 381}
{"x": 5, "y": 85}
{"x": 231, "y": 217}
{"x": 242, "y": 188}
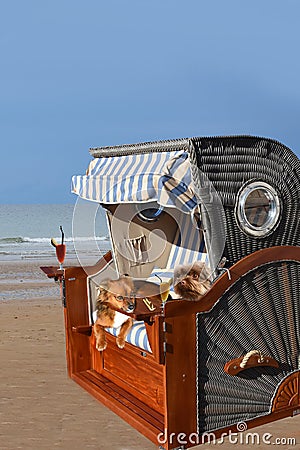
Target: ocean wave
{"x": 12, "y": 240}
{"x": 43, "y": 240}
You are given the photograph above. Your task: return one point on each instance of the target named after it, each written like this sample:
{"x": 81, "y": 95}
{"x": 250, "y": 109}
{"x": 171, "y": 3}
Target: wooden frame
{"x": 156, "y": 393}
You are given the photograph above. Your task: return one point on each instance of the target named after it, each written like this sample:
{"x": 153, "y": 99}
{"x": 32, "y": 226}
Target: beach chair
{"x": 194, "y": 370}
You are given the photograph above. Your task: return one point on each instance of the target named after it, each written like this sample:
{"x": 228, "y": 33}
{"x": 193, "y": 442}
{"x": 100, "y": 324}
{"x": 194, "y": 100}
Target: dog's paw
{"x": 120, "y": 342}
{"x": 100, "y": 346}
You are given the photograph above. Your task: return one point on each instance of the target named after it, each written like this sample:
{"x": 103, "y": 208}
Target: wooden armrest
{"x": 245, "y": 265}
{"x": 52, "y": 271}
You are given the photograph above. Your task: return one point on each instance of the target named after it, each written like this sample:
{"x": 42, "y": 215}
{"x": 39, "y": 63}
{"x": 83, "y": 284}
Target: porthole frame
{"x": 274, "y": 214}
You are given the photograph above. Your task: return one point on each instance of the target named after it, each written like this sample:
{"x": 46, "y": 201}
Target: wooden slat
{"x": 126, "y": 397}
{"x": 155, "y": 335}
{"x": 180, "y": 376}
{"x": 137, "y": 415}
{"x": 76, "y": 314}
{"x": 133, "y": 370}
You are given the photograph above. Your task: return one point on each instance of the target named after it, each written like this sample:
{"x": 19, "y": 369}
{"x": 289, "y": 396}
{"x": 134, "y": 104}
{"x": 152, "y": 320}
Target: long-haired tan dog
{"x": 191, "y": 282}
{"x": 114, "y": 294}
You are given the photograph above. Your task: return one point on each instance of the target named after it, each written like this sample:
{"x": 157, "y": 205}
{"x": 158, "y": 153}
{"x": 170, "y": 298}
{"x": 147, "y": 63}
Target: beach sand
{"x": 40, "y": 407}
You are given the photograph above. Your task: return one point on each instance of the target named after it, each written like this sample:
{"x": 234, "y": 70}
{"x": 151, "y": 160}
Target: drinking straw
{"x": 62, "y": 234}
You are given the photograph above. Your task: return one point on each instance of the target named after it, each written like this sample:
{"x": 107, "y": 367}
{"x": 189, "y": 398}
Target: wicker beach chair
{"x": 232, "y": 357}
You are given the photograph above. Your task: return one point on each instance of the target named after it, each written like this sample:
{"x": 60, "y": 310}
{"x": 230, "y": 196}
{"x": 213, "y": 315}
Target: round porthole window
{"x": 149, "y": 212}
{"x": 257, "y": 209}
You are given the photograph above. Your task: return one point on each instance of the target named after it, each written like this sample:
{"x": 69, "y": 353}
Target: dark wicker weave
{"x": 143, "y": 147}
{"x": 229, "y": 162}
{"x": 260, "y": 311}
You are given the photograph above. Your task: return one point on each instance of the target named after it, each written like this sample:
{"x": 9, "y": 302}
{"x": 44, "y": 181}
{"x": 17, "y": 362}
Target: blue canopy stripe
{"x": 189, "y": 245}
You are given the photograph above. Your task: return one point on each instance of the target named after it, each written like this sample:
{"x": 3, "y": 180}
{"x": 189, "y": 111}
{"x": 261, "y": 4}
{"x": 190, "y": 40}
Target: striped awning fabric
{"x": 164, "y": 177}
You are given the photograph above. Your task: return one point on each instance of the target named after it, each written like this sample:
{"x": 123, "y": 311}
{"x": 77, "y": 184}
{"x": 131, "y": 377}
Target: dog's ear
{"x": 127, "y": 281}
{"x": 179, "y": 273}
{"x": 103, "y": 287}
{"x": 203, "y": 270}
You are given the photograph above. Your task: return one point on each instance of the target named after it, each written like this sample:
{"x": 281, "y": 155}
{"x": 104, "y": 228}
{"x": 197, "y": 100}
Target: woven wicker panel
{"x": 229, "y": 163}
{"x": 261, "y": 311}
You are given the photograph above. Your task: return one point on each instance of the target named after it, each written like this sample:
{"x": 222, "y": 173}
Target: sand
{"x": 40, "y": 407}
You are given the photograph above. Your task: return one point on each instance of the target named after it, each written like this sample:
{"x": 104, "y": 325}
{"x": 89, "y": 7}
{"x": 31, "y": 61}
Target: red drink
{"x": 60, "y": 253}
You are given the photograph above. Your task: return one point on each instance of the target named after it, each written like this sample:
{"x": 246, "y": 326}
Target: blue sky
{"x": 80, "y": 74}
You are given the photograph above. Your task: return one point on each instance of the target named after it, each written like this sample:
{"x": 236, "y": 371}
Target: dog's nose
{"x": 182, "y": 282}
{"x": 131, "y": 307}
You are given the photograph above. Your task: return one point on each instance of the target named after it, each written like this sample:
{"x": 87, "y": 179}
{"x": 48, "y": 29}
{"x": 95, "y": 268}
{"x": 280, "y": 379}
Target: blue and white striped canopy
{"x": 164, "y": 177}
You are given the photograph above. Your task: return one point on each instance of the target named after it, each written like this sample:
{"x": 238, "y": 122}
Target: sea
{"x": 26, "y": 231}
{"x": 25, "y": 244}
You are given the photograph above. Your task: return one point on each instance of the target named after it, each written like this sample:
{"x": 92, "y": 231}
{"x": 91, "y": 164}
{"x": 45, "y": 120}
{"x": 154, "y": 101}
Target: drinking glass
{"x": 60, "y": 254}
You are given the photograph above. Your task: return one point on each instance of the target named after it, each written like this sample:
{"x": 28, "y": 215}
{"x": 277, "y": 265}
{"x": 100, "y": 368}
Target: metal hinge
{"x": 165, "y": 347}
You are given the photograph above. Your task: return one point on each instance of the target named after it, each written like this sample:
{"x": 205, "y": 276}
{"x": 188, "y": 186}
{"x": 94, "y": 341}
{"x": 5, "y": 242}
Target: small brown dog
{"x": 116, "y": 294}
{"x": 191, "y": 282}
